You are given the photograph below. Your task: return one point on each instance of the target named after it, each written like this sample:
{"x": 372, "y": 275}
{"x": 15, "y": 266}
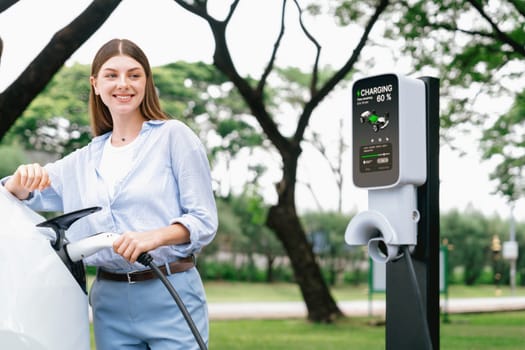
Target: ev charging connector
{"x": 389, "y": 159}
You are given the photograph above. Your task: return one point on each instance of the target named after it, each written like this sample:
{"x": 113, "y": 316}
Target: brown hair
{"x": 100, "y": 117}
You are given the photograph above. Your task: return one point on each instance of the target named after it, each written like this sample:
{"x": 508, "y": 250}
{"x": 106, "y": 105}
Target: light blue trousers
{"x": 143, "y": 315}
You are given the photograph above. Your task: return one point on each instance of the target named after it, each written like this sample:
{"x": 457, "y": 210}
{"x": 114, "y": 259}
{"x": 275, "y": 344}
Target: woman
{"x": 151, "y": 177}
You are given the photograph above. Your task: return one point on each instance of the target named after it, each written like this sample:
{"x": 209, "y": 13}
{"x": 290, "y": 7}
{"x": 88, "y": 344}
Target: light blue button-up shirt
{"x": 169, "y": 182}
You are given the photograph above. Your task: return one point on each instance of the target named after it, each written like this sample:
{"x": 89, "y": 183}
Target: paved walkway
{"x": 280, "y": 310}
{"x": 277, "y": 310}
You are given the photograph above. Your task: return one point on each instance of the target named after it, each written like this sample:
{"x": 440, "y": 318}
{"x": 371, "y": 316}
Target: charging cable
{"x": 415, "y": 285}
{"x": 74, "y": 252}
{"x": 146, "y": 260}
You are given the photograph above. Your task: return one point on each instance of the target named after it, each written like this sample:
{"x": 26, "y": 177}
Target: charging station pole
{"x": 405, "y": 321}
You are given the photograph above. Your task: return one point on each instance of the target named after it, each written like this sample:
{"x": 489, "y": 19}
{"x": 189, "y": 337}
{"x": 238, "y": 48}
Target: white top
{"x": 116, "y": 163}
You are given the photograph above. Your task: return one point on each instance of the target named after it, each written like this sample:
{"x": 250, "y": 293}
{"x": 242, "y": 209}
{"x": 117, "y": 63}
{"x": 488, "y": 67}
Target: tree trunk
{"x": 270, "y": 259}
{"x": 321, "y": 306}
{"x": 283, "y": 219}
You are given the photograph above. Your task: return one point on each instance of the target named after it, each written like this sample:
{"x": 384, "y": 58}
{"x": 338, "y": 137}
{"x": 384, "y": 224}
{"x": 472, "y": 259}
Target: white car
{"x": 43, "y": 306}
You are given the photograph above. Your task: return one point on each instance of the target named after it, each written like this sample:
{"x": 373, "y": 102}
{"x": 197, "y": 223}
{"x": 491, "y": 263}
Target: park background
{"x": 470, "y": 48}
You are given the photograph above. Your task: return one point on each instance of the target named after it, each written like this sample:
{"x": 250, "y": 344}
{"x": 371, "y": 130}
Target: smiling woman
{"x": 122, "y": 94}
{"x": 151, "y": 177}
{"x": 121, "y": 84}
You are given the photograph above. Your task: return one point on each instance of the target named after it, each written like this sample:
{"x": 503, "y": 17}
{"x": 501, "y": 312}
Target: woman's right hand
{"x": 26, "y": 179}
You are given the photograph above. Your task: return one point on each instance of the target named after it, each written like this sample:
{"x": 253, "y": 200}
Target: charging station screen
{"x": 375, "y": 158}
{"x": 375, "y": 131}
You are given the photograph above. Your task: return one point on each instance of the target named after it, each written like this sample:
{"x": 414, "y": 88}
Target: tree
{"x": 16, "y": 97}
{"x": 478, "y": 48}
{"x": 504, "y": 140}
{"x": 282, "y": 217}
{"x": 57, "y": 120}
{"x": 469, "y": 235}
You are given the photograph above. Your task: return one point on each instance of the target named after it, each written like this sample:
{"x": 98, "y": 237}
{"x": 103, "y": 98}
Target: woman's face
{"x": 121, "y": 84}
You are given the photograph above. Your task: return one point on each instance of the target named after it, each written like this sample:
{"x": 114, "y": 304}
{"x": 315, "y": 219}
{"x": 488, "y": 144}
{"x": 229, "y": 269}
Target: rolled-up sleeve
{"x": 197, "y": 202}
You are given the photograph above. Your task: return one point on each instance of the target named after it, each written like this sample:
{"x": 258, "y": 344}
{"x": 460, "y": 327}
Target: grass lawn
{"x": 465, "y": 332}
{"x": 472, "y": 331}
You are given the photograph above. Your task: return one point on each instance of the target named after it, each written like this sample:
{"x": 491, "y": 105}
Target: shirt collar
{"x": 148, "y": 124}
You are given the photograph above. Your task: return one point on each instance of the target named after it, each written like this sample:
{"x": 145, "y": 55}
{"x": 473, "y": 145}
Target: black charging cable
{"x": 415, "y": 285}
{"x": 147, "y": 260}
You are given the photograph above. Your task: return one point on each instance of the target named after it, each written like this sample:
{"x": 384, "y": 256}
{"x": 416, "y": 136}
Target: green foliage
{"x": 349, "y": 12}
{"x": 236, "y": 134}
{"x": 504, "y": 142}
{"x": 252, "y": 212}
{"x": 12, "y": 156}
{"x": 229, "y": 271}
{"x": 472, "y": 53}
{"x": 331, "y": 226}
{"x": 470, "y": 241}
{"x": 242, "y": 233}
{"x": 229, "y": 234}
{"x": 294, "y": 88}
{"x": 325, "y": 231}
{"x": 185, "y": 88}
{"x": 469, "y": 236}
{"x": 57, "y": 120}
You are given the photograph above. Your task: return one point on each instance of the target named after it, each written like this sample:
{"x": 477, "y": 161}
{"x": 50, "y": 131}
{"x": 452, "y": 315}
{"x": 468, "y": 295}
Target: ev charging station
{"x": 395, "y": 156}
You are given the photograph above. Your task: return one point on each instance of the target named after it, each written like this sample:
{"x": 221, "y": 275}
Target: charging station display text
{"x": 375, "y": 131}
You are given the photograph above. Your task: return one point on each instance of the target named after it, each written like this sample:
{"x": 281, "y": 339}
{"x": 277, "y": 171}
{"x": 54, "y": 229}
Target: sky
{"x": 168, "y": 33}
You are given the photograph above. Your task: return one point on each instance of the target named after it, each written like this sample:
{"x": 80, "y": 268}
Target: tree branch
{"x": 452, "y": 28}
{"x": 269, "y": 67}
{"x": 223, "y": 61}
{"x": 199, "y": 9}
{"x": 315, "y": 69}
{"x": 5, "y": 4}
{"x": 339, "y": 75}
{"x": 310, "y": 188}
{"x": 233, "y": 6}
{"x": 40, "y": 71}
{"x": 498, "y": 34}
